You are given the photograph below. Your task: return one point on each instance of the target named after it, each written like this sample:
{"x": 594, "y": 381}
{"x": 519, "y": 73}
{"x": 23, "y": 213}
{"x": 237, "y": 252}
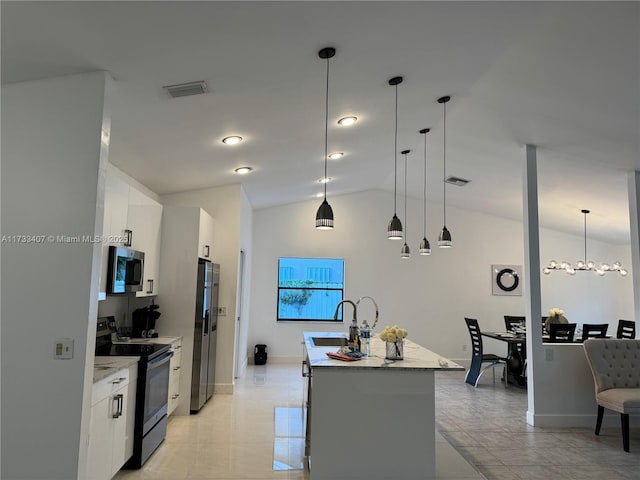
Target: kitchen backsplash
{"x": 121, "y": 306}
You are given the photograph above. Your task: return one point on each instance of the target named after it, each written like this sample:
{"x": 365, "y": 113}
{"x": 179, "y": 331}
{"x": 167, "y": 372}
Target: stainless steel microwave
{"x": 126, "y": 270}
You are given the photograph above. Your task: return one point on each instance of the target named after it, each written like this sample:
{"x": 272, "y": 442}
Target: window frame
{"x": 340, "y": 318}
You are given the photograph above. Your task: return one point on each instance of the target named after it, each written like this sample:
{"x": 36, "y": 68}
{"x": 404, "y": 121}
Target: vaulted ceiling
{"x": 562, "y": 76}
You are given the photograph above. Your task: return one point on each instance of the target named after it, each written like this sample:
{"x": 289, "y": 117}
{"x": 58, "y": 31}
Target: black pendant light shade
{"x": 324, "y": 216}
{"x": 425, "y": 247}
{"x": 394, "y": 229}
{"x": 444, "y": 239}
{"x": 405, "y": 252}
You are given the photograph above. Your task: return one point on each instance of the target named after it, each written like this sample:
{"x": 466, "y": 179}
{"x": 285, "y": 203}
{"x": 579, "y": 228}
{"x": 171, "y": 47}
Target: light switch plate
{"x": 63, "y": 348}
{"x": 222, "y": 311}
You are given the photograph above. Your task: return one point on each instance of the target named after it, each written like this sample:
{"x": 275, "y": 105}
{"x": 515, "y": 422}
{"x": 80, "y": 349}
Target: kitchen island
{"x": 372, "y": 418}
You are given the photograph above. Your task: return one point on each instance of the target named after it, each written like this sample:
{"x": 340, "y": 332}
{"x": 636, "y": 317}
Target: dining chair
{"x": 626, "y": 329}
{"x": 615, "y": 366}
{"x": 478, "y": 357}
{"x": 594, "y": 330}
{"x": 511, "y": 321}
{"x": 561, "y": 332}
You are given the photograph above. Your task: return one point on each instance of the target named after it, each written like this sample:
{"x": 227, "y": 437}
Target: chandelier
{"x": 585, "y": 265}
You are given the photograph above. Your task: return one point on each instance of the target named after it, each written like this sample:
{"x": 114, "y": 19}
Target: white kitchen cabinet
{"x": 127, "y": 208}
{"x": 111, "y": 424}
{"x": 145, "y": 221}
{"x": 130, "y": 411}
{"x": 185, "y": 230}
{"x": 174, "y": 375}
{"x": 116, "y": 207}
{"x": 205, "y": 236}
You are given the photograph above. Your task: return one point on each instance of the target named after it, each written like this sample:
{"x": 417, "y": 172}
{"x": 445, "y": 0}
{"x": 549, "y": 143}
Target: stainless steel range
{"x": 151, "y": 390}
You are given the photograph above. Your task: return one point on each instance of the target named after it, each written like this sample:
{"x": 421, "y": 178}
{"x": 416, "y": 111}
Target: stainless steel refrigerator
{"x": 205, "y": 335}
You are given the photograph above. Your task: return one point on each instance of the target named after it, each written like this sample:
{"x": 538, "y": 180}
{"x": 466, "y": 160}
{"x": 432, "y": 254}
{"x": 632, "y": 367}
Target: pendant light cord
{"x": 395, "y": 159}
{"x": 406, "y": 229}
{"x": 585, "y": 237}
{"x": 424, "y": 190}
{"x": 444, "y": 167}
{"x": 326, "y": 130}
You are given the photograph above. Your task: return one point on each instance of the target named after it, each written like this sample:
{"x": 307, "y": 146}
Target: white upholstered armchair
{"x": 615, "y": 365}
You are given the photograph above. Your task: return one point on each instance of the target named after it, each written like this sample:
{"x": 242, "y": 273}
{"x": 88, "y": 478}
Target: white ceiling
{"x": 562, "y": 76}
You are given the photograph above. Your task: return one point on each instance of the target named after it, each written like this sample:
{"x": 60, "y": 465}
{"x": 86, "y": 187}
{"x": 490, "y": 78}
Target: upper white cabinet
{"x": 145, "y": 222}
{"x": 116, "y": 209}
{"x": 205, "y": 236}
{"x": 127, "y": 208}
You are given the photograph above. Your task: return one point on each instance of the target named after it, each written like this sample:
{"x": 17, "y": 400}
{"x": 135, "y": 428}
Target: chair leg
{"x": 599, "y": 421}
{"x": 624, "y": 417}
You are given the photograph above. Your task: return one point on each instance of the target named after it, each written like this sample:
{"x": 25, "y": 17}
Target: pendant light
{"x": 405, "y": 252}
{"x": 394, "y": 229}
{"x": 444, "y": 239}
{"x": 324, "y": 216}
{"x": 585, "y": 265}
{"x": 425, "y": 247}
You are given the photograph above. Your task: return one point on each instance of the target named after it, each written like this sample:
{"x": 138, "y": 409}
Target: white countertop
{"x": 415, "y": 356}
{"x": 159, "y": 340}
{"x": 105, "y": 366}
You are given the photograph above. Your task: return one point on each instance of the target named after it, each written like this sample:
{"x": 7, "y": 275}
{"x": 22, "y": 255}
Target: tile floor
{"x": 486, "y": 425}
{"x": 233, "y": 437}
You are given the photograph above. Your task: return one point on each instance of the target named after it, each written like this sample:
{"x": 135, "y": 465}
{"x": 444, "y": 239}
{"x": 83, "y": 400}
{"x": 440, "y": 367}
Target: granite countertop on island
{"x": 105, "y": 366}
{"x": 416, "y": 357}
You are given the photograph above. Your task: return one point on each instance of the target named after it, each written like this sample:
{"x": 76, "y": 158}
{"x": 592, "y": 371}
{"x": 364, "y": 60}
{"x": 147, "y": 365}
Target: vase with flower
{"x": 556, "y": 315}
{"x": 394, "y": 338}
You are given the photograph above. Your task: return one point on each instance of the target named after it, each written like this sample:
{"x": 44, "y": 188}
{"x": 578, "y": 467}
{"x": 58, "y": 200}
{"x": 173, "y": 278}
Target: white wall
{"x": 224, "y": 205}
{"x": 53, "y": 171}
{"x": 430, "y": 296}
{"x": 246, "y": 238}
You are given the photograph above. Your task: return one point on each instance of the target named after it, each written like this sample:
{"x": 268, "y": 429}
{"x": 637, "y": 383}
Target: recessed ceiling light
{"x": 336, "y": 155}
{"x": 325, "y": 180}
{"x": 346, "y": 121}
{"x": 243, "y": 170}
{"x": 232, "y": 140}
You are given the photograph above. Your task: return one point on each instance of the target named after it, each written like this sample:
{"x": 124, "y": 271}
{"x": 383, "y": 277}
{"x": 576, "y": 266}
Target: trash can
{"x": 260, "y": 354}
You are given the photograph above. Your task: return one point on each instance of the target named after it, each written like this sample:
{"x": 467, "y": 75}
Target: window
{"x": 310, "y": 288}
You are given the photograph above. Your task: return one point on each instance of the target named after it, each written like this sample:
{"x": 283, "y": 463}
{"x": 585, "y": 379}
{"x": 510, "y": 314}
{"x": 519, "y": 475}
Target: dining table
{"x": 515, "y": 371}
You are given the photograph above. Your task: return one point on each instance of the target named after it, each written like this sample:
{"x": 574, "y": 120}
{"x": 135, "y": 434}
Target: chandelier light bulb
{"x": 606, "y": 267}
{"x": 553, "y": 264}
{"x": 591, "y": 265}
{"x": 546, "y": 270}
{"x": 617, "y": 265}
{"x": 571, "y": 271}
{"x": 623, "y": 272}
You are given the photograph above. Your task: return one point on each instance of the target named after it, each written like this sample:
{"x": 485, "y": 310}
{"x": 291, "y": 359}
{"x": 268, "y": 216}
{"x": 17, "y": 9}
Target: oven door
{"x": 156, "y": 391}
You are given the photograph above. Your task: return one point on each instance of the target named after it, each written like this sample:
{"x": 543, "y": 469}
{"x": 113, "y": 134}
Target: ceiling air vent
{"x": 186, "y": 89}
{"x": 457, "y": 181}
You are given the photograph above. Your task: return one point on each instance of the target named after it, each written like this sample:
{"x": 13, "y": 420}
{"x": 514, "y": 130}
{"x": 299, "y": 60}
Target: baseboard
{"x": 224, "y": 388}
{"x": 280, "y": 359}
{"x": 588, "y": 421}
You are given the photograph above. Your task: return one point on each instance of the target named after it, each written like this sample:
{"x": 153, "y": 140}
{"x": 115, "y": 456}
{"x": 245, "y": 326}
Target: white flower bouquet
{"x": 394, "y": 336}
{"x": 556, "y": 315}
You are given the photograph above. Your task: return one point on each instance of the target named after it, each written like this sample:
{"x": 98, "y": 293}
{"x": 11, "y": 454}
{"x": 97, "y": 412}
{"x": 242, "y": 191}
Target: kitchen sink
{"x": 329, "y": 341}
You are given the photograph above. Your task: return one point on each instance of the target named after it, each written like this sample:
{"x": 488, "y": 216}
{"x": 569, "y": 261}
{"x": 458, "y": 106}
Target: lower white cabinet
{"x": 174, "y": 375}
{"x": 112, "y": 422}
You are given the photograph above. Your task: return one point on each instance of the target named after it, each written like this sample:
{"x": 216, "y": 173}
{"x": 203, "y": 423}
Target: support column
{"x": 634, "y": 222}
{"x": 533, "y": 296}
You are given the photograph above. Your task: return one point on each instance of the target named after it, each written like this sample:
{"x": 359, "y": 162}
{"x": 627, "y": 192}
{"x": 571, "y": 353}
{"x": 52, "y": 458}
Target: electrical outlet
{"x": 222, "y": 311}
{"x": 464, "y": 347}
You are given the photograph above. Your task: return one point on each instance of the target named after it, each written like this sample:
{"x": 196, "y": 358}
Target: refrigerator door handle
{"x": 205, "y": 328}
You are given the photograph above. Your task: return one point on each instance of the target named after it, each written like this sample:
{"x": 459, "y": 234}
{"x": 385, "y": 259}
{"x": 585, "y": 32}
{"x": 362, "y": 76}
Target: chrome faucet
{"x": 355, "y": 310}
{"x": 375, "y": 305}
